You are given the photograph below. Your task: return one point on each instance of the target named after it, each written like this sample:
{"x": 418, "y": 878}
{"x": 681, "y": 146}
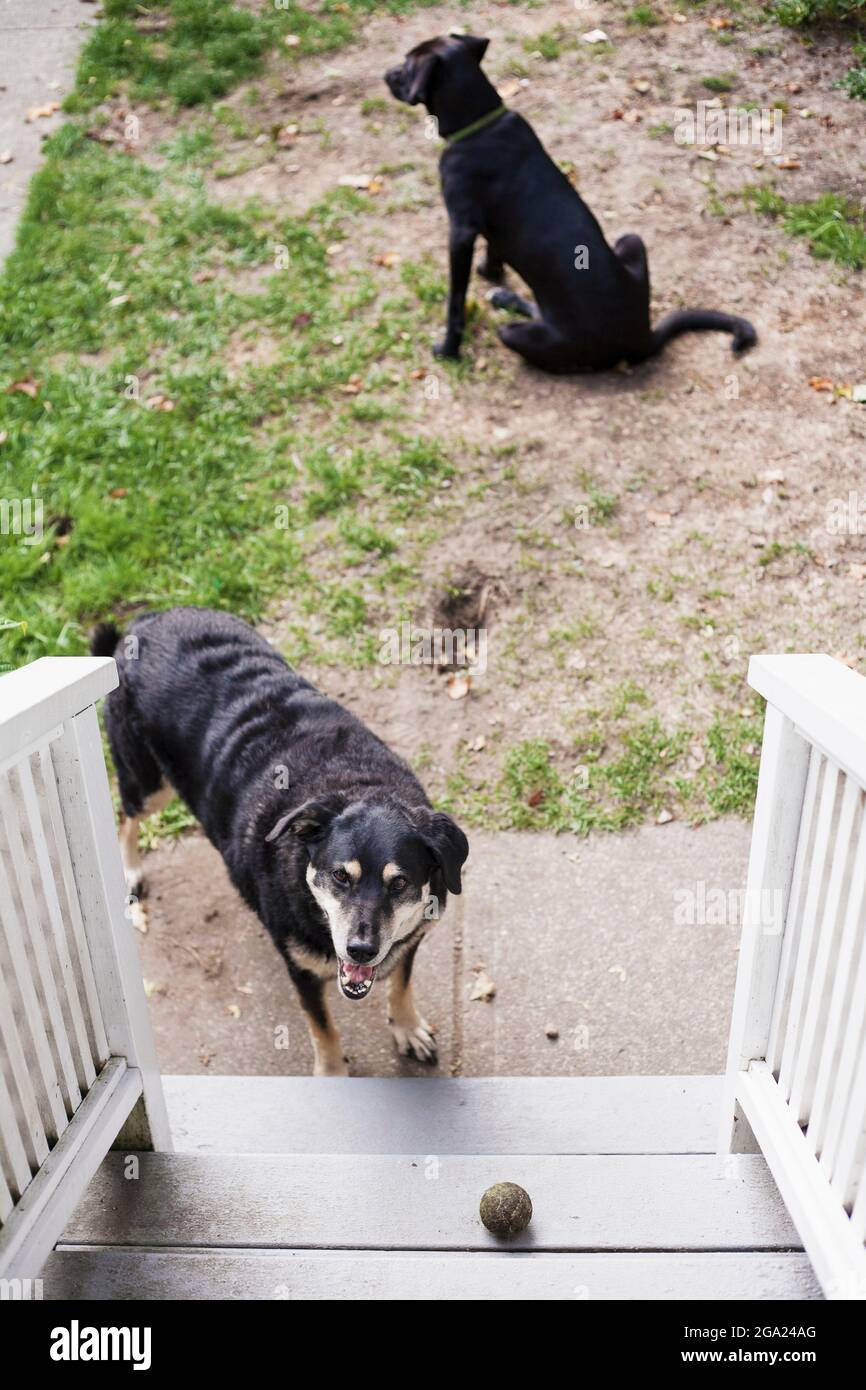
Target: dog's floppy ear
{"x": 477, "y": 47}
{"x": 422, "y": 75}
{"x": 308, "y": 820}
{"x": 447, "y": 843}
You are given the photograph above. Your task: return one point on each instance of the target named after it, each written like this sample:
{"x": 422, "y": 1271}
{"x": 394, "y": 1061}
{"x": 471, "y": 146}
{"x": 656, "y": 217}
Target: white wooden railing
{"x": 796, "y": 1080}
{"x": 77, "y": 1060}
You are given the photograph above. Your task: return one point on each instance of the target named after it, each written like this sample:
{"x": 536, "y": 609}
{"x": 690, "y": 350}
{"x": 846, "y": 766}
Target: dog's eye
{"x": 398, "y": 884}
{"x": 340, "y": 876}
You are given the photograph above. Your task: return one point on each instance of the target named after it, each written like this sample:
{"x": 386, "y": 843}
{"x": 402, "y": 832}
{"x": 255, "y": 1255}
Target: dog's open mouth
{"x": 355, "y": 981}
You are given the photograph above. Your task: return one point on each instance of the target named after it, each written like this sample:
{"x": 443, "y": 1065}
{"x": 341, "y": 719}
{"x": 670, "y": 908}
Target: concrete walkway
{"x": 39, "y": 44}
{"x": 581, "y": 936}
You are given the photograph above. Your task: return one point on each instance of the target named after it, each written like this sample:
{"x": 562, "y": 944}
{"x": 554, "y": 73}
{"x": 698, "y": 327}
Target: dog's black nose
{"x": 360, "y": 950}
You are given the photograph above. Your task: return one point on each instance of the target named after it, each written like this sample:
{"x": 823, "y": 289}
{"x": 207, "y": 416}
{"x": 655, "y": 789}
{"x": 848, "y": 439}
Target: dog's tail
{"x": 699, "y": 321}
{"x": 104, "y": 639}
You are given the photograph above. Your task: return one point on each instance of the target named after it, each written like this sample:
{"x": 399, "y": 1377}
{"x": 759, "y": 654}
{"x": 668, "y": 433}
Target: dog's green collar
{"x": 476, "y": 125}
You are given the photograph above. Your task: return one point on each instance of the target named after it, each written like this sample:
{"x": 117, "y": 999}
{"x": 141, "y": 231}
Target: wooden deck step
{"x": 430, "y": 1202}
{"x": 302, "y": 1274}
{"x": 484, "y": 1115}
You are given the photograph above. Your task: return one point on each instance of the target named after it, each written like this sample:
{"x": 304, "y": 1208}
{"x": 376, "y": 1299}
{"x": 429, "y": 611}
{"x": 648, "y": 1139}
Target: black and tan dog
{"x": 592, "y": 301}
{"x": 325, "y": 832}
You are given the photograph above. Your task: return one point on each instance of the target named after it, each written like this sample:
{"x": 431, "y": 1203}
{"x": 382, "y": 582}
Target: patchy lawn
{"x": 218, "y": 326}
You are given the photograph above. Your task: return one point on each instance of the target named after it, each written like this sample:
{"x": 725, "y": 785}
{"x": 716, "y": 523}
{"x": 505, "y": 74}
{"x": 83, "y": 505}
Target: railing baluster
{"x": 52, "y": 1110}
{"x": 86, "y": 1072}
{"x": 849, "y": 1159}
{"x": 32, "y": 1132}
{"x": 818, "y": 869}
{"x": 845, "y": 1017}
{"x": 72, "y": 909}
{"x": 15, "y": 1162}
{"x": 36, "y": 933}
{"x": 793, "y": 920}
{"x": 806, "y": 1066}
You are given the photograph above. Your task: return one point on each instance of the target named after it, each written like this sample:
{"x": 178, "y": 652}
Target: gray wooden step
{"x": 429, "y": 1201}
{"x": 492, "y": 1115}
{"x": 332, "y": 1275}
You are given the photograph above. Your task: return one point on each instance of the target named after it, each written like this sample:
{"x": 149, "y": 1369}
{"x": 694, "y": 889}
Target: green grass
{"x": 222, "y": 499}
{"x": 643, "y": 772}
{"x": 551, "y": 43}
{"x": 727, "y": 83}
{"x": 834, "y": 228}
{"x": 643, "y": 16}
{"x": 799, "y": 12}
{"x": 855, "y": 81}
{"x": 187, "y": 52}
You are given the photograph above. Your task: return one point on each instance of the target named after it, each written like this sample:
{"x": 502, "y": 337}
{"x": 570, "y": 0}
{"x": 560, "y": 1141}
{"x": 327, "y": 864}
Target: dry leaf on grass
{"x": 783, "y": 162}
{"x": 27, "y": 387}
{"x": 657, "y": 518}
{"x": 594, "y": 36}
{"x": 386, "y": 258}
{"x": 159, "y": 403}
{"x": 508, "y": 90}
{"x": 821, "y": 383}
{"x": 483, "y": 988}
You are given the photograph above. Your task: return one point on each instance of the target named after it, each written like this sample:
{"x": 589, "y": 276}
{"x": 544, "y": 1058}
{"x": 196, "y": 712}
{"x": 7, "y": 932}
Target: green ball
{"x": 505, "y": 1209}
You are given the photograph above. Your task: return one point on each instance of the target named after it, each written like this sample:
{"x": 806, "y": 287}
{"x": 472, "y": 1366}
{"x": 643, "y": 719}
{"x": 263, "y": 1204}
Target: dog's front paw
{"x": 417, "y": 1040}
{"x": 447, "y": 348}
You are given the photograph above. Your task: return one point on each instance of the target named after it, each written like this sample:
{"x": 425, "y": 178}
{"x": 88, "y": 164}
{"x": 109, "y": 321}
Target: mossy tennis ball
{"x": 505, "y": 1209}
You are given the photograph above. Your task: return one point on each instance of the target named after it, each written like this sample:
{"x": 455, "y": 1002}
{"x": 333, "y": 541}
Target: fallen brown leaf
{"x": 36, "y": 113}
{"x": 484, "y": 988}
{"x": 27, "y": 387}
{"x": 459, "y": 684}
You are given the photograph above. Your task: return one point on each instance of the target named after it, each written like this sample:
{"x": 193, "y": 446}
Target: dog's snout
{"x": 361, "y": 949}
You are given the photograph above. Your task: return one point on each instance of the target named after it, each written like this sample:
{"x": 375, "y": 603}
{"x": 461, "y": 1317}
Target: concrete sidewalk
{"x": 39, "y": 45}
{"x": 578, "y": 935}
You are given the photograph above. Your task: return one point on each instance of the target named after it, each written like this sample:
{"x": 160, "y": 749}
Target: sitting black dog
{"x": 498, "y": 181}
{"x": 325, "y": 832}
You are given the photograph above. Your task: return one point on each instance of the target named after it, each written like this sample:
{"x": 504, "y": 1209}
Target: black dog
{"x": 325, "y": 832}
{"x": 499, "y": 182}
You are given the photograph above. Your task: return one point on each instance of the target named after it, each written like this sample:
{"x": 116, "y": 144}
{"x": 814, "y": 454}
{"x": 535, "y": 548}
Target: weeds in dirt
{"x": 834, "y": 227}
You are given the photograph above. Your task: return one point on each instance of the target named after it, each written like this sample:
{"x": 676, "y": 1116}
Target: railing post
{"x": 778, "y": 807}
{"x": 88, "y": 816}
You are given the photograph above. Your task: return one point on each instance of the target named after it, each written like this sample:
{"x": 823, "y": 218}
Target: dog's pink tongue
{"x": 357, "y": 974}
